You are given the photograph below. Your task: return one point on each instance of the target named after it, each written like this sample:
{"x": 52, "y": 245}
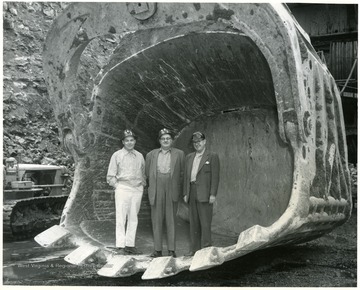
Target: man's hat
{"x": 197, "y": 136}
{"x": 165, "y": 131}
{"x": 128, "y": 133}
{"x": 10, "y": 159}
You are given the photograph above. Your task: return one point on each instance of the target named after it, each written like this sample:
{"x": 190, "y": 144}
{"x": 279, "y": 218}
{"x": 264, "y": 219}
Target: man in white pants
{"x": 126, "y": 173}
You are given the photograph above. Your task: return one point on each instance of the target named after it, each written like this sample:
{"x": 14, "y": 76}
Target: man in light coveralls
{"x": 126, "y": 173}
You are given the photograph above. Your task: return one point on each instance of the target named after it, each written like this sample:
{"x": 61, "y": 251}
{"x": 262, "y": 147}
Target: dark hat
{"x": 165, "y": 131}
{"x": 128, "y": 133}
{"x": 197, "y": 136}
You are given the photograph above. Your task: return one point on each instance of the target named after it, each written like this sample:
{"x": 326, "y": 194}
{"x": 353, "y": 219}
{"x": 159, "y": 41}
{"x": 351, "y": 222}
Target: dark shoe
{"x": 132, "y": 251}
{"x": 156, "y": 254}
{"x": 172, "y": 254}
{"x": 113, "y": 248}
{"x": 116, "y": 250}
{"x": 190, "y": 254}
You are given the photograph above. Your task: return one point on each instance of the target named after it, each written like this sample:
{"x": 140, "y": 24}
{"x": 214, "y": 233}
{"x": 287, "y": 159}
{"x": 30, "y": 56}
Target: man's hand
{"x": 212, "y": 199}
{"x": 186, "y": 198}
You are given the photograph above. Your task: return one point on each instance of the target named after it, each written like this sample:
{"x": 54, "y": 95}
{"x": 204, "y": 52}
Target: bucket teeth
{"x": 207, "y": 258}
{"x": 82, "y": 254}
{"x": 52, "y": 237}
{"x": 123, "y": 266}
{"x": 163, "y": 267}
{"x": 253, "y": 238}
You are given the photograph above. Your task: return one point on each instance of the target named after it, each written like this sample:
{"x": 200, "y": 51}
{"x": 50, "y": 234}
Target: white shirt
{"x": 195, "y": 166}
{"x": 127, "y": 167}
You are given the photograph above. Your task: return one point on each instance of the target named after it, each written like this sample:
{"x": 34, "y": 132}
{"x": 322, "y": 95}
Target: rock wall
{"x": 29, "y": 127}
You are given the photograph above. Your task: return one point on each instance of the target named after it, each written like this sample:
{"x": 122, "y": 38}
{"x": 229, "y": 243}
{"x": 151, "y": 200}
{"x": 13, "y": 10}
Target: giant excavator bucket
{"x": 244, "y": 74}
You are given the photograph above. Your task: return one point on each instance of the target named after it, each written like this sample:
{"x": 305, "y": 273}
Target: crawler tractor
{"x": 33, "y": 198}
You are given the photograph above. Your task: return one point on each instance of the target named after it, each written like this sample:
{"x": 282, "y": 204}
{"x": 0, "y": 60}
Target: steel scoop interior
{"x": 226, "y": 91}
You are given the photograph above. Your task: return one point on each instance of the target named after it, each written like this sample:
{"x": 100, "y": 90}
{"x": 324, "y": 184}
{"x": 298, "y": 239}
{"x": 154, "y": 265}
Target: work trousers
{"x": 200, "y": 214}
{"x": 163, "y": 209}
{"x": 127, "y": 206}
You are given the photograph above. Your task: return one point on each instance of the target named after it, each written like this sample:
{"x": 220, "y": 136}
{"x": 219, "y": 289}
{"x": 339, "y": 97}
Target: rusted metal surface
{"x": 247, "y": 76}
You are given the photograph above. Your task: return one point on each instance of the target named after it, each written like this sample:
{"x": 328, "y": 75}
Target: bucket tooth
{"x": 253, "y": 238}
{"x": 207, "y": 258}
{"x": 123, "y": 266}
{"x": 53, "y": 237}
{"x": 163, "y": 267}
{"x": 83, "y": 254}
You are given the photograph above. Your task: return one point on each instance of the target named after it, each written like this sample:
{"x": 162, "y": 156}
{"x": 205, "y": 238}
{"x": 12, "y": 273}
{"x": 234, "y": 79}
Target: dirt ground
{"x": 330, "y": 261}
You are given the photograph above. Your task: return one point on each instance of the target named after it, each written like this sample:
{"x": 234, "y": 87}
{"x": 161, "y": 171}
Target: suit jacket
{"x": 207, "y": 178}
{"x": 176, "y": 173}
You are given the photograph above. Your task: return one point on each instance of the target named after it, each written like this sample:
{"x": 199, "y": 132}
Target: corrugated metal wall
{"x": 332, "y": 29}
{"x": 320, "y": 19}
{"x": 341, "y": 60}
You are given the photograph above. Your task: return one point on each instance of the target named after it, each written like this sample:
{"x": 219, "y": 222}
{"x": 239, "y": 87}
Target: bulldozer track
{"x": 16, "y": 229}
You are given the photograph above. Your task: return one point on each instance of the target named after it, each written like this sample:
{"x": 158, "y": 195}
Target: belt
{"x": 193, "y": 182}
{"x": 160, "y": 173}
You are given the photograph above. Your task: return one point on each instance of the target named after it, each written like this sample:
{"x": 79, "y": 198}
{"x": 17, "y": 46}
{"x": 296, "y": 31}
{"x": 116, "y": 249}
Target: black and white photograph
{"x": 179, "y": 144}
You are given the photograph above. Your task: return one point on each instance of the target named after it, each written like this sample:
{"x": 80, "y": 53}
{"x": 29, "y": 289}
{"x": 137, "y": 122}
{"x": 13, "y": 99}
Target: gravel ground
{"x": 330, "y": 261}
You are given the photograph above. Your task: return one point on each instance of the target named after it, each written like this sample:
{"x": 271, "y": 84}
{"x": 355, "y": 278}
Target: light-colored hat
{"x": 128, "y": 133}
{"x": 165, "y": 131}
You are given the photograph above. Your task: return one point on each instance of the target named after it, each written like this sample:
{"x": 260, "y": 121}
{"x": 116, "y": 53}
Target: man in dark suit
{"x": 164, "y": 167}
{"x": 200, "y": 189}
